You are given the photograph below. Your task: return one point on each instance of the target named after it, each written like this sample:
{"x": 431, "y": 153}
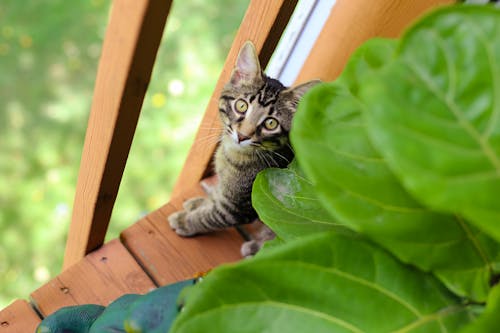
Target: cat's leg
{"x": 193, "y": 203}
{"x": 250, "y": 248}
{"x": 201, "y": 216}
{"x": 178, "y": 220}
{"x": 263, "y": 234}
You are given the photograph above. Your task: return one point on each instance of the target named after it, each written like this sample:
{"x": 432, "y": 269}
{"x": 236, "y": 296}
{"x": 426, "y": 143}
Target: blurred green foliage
{"x": 48, "y": 59}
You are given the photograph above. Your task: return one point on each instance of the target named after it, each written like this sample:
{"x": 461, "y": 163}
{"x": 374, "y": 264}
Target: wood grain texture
{"x": 99, "y": 278}
{"x": 130, "y": 45}
{"x": 352, "y": 22}
{"x": 19, "y": 317}
{"x": 263, "y": 24}
{"x": 168, "y": 257}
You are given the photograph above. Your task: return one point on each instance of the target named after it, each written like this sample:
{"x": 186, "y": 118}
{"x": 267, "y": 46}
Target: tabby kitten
{"x": 256, "y": 112}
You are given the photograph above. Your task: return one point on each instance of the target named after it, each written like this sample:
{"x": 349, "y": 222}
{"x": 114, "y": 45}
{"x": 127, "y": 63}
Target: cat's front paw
{"x": 179, "y": 222}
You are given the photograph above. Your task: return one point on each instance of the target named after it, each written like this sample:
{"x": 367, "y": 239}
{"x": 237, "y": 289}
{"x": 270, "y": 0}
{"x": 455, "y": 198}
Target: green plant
{"x": 389, "y": 220}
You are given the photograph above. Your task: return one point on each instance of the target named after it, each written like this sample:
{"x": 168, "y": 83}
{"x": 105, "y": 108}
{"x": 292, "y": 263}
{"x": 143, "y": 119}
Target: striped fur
{"x": 256, "y": 112}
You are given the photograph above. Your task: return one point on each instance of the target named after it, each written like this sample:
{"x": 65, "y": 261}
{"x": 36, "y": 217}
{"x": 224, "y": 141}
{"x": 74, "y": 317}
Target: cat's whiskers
{"x": 281, "y": 156}
{"x": 211, "y": 135}
{"x": 276, "y": 164}
{"x": 211, "y": 128}
{"x": 263, "y": 158}
{"x": 210, "y": 139}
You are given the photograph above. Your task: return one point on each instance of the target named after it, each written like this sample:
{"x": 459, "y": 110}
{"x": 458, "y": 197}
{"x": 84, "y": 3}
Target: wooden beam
{"x": 99, "y": 278}
{"x": 263, "y": 24}
{"x": 19, "y": 317}
{"x": 130, "y": 45}
{"x": 351, "y": 23}
{"x": 168, "y": 258}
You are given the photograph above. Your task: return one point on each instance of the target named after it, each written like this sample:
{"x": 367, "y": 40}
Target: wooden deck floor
{"x": 147, "y": 255}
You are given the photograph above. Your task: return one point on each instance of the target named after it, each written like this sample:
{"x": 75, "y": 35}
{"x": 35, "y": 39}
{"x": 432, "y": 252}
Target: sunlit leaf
{"x": 285, "y": 200}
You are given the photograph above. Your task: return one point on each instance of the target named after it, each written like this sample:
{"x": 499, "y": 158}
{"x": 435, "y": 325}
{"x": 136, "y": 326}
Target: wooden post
{"x": 263, "y": 24}
{"x": 130, "y": 45}
{"x": 352, "y": 22}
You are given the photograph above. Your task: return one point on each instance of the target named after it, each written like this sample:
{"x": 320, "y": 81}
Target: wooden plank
{"x": 19, "y": 317}
{"x": 130, "y": 45}
{"x": 352, "y": 22}
{"x": 99, "y": 278}
{"x": 263, "y": 24}
{"x": 168, "y": 257}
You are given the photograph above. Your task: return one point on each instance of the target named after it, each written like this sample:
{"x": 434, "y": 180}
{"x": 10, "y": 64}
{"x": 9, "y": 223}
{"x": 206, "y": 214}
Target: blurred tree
{"x": 48, "y": 59}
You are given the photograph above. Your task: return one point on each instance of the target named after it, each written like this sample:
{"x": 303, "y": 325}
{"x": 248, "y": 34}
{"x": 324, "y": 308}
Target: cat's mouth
{"x": 241, "y": 140}
{"x": 249, "y": 144}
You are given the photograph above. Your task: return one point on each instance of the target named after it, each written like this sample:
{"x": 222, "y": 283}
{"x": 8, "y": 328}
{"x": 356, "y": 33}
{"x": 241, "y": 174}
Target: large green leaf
{"x": 434, "y": 113}
{"x": 372, "y": 55}
{"x": 327, "y": 283}
{"x": 359, "y": 189}
{"x": 285, "y": 200}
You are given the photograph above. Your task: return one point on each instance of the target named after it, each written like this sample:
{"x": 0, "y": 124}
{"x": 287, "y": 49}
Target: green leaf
{"x": 357, "y": 187}
{"x": 324, "y": 283}
{"x": 434, "y": 113}
{"x": 270, "y": 244}
{"x": 286, "y": 202}
{"x": 489, "y": 320}
{"x": 373, "y": 54}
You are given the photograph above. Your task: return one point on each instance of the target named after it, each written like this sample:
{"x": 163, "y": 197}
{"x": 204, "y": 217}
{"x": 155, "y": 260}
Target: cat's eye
{"x": 270, "y": 123}
{"x": 241, "y": 106}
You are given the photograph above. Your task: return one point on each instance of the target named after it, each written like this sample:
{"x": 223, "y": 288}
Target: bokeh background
{"x": 49, "y": 52}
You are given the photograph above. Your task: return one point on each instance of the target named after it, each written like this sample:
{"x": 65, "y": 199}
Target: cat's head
{"x": 256, "y": 111}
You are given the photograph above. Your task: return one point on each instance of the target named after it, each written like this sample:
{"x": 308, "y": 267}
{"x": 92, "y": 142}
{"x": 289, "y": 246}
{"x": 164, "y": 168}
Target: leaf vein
{"x": 481, "y": 252}
{"x": 486, "y": 149}
{"x": 382, "y": 205}
{"x": 291, "y": 307}
{"x": 430, "y": 317}
{"x": 351, "y": 155}
{"x": 291, "y": 212}
{"x": 495, "y": 79}
{"x": 367, "y": 283}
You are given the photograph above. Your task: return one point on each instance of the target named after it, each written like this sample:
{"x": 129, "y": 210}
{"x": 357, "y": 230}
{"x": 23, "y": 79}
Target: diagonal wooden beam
{"x": 263, "y": 24}
{"x": 129, "y": 50}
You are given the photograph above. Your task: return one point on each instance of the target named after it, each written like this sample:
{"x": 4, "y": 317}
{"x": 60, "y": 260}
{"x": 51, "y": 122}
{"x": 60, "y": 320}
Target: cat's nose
{"x": 242, "y": 137}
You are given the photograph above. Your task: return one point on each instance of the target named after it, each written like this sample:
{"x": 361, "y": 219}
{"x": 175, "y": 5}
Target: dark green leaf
{"x": 327, "y": 283}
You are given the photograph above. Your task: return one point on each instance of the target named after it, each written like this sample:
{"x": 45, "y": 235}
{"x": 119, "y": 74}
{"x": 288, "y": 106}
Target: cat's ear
{"x": 301, "y": 89}
{"x": 247, "y": 67}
